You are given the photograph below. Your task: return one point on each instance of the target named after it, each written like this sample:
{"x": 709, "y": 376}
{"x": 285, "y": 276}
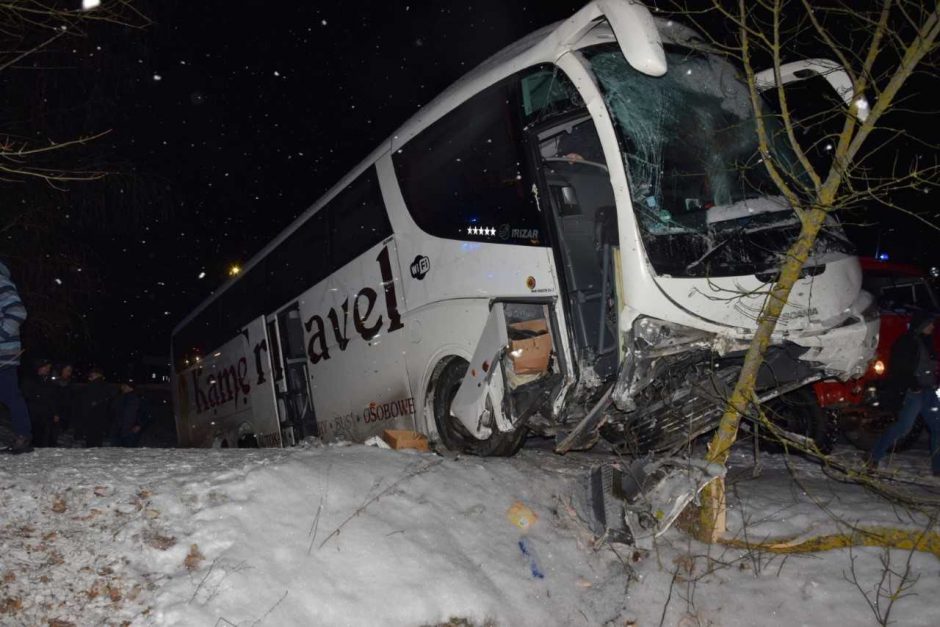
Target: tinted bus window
{"x": 463, "y": 177}
{"x": 547, "y": 92}
{"x": 358, "y": 220}
{"x": 299, "y": 262}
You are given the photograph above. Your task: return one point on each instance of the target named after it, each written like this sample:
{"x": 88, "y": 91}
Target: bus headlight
{"x": 878, "y": 367}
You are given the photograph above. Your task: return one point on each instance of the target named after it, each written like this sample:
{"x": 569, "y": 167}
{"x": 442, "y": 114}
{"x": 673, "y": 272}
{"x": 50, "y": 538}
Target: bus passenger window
{"x": 358, "y": 219}
{"x": 463, "y": 177}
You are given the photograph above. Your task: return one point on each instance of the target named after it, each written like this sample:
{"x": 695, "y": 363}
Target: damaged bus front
{"x": 667, "y": 234}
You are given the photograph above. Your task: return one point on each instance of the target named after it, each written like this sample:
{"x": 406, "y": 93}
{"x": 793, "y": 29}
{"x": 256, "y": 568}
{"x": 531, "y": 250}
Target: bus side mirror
{"x": 832, "y": 72}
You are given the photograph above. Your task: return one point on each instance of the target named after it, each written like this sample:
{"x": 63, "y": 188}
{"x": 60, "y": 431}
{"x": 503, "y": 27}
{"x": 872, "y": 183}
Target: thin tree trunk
{"x": 712, "y": 512}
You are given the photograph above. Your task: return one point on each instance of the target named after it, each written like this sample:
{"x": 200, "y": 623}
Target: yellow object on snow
{"x": 521, "y": 516}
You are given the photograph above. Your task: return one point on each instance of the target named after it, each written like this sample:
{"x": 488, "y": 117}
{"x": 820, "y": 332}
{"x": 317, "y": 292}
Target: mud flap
{"x": 470, "y": 405}
{"x": 634, "y": 504}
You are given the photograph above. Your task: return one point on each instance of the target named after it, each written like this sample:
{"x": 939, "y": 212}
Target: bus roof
{"x": 630, "y": 22}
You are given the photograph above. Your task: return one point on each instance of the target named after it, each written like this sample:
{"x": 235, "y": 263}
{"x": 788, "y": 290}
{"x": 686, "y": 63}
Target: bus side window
{"x": 358, "y": 219}
{"x": 462, "y": 177}
{"x": 548, "y": 92}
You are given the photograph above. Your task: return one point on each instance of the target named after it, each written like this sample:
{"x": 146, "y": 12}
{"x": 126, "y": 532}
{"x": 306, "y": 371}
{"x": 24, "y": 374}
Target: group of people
{"x": 93, "y": 413}
{"x": 48, "y": 403}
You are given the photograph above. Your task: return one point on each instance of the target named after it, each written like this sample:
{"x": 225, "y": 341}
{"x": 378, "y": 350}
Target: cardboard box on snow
{"x": 531, "y": 355}
{"x": 399, "y": 439}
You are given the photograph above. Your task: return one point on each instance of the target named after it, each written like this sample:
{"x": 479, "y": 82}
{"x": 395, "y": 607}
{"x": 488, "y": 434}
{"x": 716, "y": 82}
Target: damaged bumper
{"x": 674, "y": 380}
{"x": 846, "y": 350}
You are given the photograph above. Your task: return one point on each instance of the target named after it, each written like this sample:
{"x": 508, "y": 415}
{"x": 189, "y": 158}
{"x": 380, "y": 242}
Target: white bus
{"x": 572, "y": 240}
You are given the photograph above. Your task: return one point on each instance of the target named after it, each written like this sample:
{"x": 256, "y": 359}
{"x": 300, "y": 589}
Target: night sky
{"x": 227, "y": 120}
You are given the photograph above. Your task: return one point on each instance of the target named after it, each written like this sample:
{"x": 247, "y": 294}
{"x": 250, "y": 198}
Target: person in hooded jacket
{"x": 93, "y": 407}
{"x": 12, "y": 315}
{"x": 912, "y": 378}
{"x": 131, "y": 415}
{"x": 42, "y": 398}
{"x": 66, "y": 399}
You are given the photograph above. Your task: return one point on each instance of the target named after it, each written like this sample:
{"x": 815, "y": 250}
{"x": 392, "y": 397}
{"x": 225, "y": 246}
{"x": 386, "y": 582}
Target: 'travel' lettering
{"x": 363, "y": 306}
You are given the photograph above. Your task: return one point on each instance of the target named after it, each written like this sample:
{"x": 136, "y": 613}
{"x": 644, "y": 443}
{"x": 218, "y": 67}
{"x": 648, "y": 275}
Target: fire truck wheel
{"x": 453, "y": 434}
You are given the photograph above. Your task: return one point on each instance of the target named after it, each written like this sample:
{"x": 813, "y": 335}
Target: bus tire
{"x": 451, "y": 432}
{"x": 799, "y": 412}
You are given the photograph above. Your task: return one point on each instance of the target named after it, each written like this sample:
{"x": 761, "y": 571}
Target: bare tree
{"x": 880, "y": 48}
{"x": 42, "y": 157}
{"x": 29, "y": 28}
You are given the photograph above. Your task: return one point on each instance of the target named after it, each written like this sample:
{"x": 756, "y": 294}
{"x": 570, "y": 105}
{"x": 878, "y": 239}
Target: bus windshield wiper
{"x": 708, "y": 253}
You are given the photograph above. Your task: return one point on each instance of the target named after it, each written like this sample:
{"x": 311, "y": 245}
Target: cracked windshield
{"x": 705, "y": 203}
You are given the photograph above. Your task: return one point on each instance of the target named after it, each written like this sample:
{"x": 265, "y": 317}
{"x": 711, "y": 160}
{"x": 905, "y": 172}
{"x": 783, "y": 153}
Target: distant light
{"x": 828, "y": 147}
{"x": 88, "y": 5}
{"x": 157, "y": 77}
{"x": 878, "y": 367}
{"x": 58, "y": 281}
{"x": 202, "y": 275}
{"x": 883, "y": 256}
{"x": 935, "y": 272}
{"x": 234, "y": 269}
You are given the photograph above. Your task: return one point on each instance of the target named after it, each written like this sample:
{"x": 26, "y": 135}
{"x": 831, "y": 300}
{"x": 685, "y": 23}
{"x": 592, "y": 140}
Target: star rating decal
{"x": 482, "y": 230}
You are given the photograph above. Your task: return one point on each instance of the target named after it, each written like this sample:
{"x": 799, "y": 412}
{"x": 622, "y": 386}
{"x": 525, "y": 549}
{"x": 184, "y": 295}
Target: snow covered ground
{"x": 354, "y": 535}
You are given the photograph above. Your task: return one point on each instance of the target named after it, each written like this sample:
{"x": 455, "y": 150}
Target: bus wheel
{"x": 798, "y": 412}
{"x": 452, "y": 433}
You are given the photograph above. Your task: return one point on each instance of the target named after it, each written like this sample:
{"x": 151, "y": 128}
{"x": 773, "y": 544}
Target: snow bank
{"x": 353, "y": 535}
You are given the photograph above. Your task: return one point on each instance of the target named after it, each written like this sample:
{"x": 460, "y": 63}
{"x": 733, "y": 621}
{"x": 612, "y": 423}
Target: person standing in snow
{"x": 12, "y": 315}
{"x": 66, "y": 400}
{"x": 42, "y": 398}
{"x": 131, "y": 415}
{"x": 913, "y": 379}
{"x": 94, "y": 407}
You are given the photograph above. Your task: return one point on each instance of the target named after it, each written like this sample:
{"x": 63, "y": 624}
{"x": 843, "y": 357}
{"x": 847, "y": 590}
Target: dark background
{"x": 227, "y": 120}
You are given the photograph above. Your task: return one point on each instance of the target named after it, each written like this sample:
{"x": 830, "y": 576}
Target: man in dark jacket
{"x": 66, "y": 396}
{"x": 93, "y": 407}
{"x": 42, "y": 398}
{"x": 913, "y": 373}
{"x": 130, "y": 417}
{"x": 12, "y": 315}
